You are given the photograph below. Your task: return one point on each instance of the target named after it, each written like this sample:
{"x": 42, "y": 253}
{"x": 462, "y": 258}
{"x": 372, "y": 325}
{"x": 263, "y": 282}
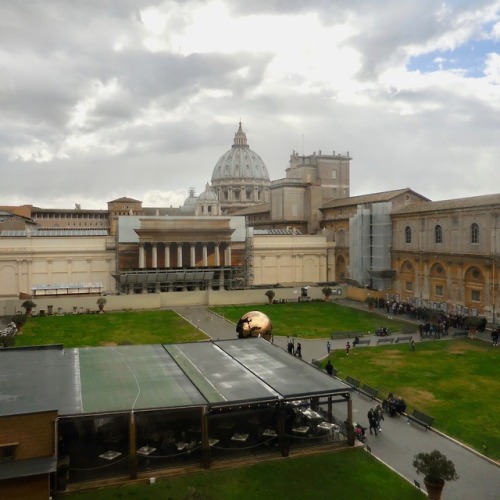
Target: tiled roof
{"x": 370, "y": 198}
{"x": 455, "y": 204}
{"x": 254, "y": 209}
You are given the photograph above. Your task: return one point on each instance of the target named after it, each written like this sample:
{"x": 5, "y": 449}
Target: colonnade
{"x": 221, "y": 256}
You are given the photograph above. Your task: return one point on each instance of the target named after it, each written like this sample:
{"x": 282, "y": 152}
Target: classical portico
{"x": 180, "y": 254}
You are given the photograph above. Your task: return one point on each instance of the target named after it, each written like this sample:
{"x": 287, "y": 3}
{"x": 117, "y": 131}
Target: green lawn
{"x": 455, "y": 381}
{"x": 81, "y": 330}
{"x": 349, "y": 475}
{"x": 314, "y": 319}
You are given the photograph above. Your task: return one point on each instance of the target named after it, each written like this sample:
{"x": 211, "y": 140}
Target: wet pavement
{"x": 399, "y": 440}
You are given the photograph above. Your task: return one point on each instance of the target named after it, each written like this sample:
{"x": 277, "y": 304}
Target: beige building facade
{"x": 446, "y": 255}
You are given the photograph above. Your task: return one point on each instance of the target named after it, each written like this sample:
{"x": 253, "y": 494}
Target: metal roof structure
{"x": 37, "y": 233}
{"x": 100, "y": 380}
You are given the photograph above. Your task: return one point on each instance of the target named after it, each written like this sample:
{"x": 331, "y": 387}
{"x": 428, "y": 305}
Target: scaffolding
{"x": 370, "y": 238}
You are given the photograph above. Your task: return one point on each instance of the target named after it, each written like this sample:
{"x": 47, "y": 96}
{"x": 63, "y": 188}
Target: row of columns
{"x": 192, "y": 255}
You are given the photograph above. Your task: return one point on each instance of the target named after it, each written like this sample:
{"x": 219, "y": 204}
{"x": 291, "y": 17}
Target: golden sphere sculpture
{"x": 254, "y": 324}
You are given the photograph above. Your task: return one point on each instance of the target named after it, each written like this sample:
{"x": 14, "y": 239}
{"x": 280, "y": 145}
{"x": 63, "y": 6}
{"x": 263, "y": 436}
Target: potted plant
{"x": 436, "y": 469}
{"x": 327, "y": 292}
{"x": 28, "y": 306}
{"x": 472, "y": 323}
{"x": 101, "y": 301}
{"x": 270, "y": 295}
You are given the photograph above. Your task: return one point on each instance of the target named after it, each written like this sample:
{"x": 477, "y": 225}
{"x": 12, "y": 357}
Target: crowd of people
{"x": 431, "y": 320}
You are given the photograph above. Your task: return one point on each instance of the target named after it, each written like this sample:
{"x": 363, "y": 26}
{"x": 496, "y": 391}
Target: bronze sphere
{"x": 254, "y": 324}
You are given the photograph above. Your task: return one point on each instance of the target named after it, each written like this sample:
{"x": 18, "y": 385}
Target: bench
{"x": 363, "y": 342}
{"x": 409, "y": 338}
{"x": 345, "y": 335}
{"x": 385, "y": 341}
{"x": 461, "y": 333}
{"x": 368, "y": 391}
{"x": 352, "y": 382}
{"x": 421, "y": 418}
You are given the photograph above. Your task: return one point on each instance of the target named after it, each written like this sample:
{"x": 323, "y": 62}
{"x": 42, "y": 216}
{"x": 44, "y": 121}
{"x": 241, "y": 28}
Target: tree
{"x": 28, "y": 306}
{"x": 436, "y": 469}
{"x": 270, "y": 295}
{"x": 101, "y": 301}
{"x": 327, "y": 292}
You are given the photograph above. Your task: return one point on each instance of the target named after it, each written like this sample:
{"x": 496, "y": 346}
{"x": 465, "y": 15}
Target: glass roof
{"x": 291, "y": 377}
{"x": 125, "y": 378}
{"x": 221, "y": 379}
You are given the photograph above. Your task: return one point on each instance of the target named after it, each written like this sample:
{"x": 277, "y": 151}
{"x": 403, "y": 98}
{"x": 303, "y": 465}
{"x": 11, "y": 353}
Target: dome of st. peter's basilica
{"x": 240, "y": 177}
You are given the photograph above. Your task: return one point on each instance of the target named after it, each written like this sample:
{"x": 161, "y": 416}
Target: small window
{"x": 438, "y": 234}
{"x": 474, "y": 233}
{"x": 407, "y": 234}
{"x": 476, "y": 295}
{"x": 334, "y": 174}
{"x": 439, "y": 290}
{"x": 409, "y": 286}
{"x": 8, "y": 452}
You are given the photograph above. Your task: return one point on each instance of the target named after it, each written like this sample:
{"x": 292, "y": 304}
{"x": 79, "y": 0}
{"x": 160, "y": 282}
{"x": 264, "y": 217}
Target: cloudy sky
{"x": 107, "y": 98}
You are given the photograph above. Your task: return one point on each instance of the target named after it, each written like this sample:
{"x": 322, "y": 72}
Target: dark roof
{"x": 27, "y": 468}
{"x": 370, "y": 198}
{"x": 125, "y": 199}
{"x": 455, "y": 204}
{"x": 98, "y": 380}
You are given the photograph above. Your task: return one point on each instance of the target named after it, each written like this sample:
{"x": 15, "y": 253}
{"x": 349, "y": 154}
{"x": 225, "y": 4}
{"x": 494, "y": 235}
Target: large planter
{"x": 434, "y": 489}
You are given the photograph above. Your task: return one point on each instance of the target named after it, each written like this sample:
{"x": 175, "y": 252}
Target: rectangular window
{"x": 409, "y": 286}
{"x": 8, "y": 452}
{"x": 334, "y": 174}
{"x": 439, "y": 290}
{"x": 476, "y": 295}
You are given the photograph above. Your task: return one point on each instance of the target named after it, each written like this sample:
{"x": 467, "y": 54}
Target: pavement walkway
{"x": 399, "y": 440}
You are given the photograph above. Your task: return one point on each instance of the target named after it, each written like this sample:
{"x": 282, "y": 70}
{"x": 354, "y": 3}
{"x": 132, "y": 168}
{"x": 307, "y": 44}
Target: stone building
{"x": 357, "y": 235}
{"x": 446, "y": 254}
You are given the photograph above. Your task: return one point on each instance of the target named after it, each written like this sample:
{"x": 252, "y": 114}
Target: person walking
{"x": 494, "y": 336}
{"x": 298, "y": 350}
{"x": 329, "y": 368}
{"x": 372, "y": 420}
{"x": 328, "y": 346}
{"x": 347, "y": 348}
{"x": 379, "y": 414}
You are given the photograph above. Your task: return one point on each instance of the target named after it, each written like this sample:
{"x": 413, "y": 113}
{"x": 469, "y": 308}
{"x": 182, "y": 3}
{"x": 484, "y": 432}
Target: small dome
{"x": 208, "y": 194}
{"x": 240, "y": 162}
{"x": 191, "y": 200}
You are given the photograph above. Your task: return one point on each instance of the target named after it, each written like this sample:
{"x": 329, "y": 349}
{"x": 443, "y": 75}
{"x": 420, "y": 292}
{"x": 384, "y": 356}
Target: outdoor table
{"x": 330, "y": 428}
{"x": 145, "y": 450}
{"x": 240, "y": 437}
{"x": 270, "y": 433}
{"x": 110, "y": 455}
{"x": 310, "y": 414}
{"x": 301, "y": 430}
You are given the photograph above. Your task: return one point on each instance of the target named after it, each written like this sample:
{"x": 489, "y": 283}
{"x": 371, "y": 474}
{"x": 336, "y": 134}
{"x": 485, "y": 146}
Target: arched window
{"x": 474, "y": 233}
{"x": 407, "y": 234}
{"x": 438, "y": 234}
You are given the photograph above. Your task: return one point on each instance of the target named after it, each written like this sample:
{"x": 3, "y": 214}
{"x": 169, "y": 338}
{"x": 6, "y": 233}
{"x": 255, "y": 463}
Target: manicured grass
{"x": 314, "y": 319}
{"x": 81, "y": 330}
{"x": 349, "y": 475}
{"x": 455, "y": 381}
